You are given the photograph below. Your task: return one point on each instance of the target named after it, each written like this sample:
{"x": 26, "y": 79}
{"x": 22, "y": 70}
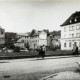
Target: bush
{"x": 12, "y": 46}
{"x": 16, "y": 49}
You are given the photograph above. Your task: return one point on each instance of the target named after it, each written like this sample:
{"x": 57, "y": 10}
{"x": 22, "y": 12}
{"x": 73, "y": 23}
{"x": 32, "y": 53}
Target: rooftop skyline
{"x": 23, "y": 16}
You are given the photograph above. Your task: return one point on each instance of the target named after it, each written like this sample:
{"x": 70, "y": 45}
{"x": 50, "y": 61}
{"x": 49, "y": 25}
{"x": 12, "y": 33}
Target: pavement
{"x": 32, "y": 65}
{"x": 67, "y": 75}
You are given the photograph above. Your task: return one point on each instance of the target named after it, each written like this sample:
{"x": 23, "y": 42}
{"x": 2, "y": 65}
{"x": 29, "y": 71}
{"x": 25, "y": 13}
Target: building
{"x": 38, "y": 39}
{"x": 35, "y": 40}
{"x": 2, "y": 36}
{"x": 23, "y": 39}
{"x": 70, "y": 32}
{"x": 55, "y": 39}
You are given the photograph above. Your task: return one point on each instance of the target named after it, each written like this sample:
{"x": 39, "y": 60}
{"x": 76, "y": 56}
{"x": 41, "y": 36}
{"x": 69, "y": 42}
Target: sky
{"x": 22, "y": 16}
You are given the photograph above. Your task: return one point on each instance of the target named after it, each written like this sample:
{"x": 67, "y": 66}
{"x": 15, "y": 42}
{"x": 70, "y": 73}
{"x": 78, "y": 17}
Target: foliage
{"x": 27, "y": 45}
{"x": 12, "y": 46}
{"x": 10, "y": 39}
{"x": 55, "y": 33}
{"x": 16, "y": 49}
{"x": 32, "y": 32}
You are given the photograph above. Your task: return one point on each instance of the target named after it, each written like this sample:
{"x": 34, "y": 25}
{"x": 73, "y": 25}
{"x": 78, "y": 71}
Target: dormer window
{"x": 75, "y": 20}
{"x": 70, "y": 21}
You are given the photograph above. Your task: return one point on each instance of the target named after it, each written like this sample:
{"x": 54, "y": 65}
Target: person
{"x": 43, "y": 51}
{"x": 76, "y": 50}
{"x": 40, "y": 52}
{"x": 73, "y": 50}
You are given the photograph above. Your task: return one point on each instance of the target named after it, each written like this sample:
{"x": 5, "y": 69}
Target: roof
{"x": 74, "y": 18}
{"x": 23, "y": 34}
{"x": 1, "y": 28}
{"x": 36, "y": 33}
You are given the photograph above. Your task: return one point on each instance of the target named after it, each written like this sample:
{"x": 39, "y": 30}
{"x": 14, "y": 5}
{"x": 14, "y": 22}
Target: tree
{"x": 32, "y": 32}
{"x": 10, "y": 38}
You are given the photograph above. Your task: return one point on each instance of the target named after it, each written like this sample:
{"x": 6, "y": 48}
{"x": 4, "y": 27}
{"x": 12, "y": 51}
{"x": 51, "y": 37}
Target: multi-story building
{"x": 70, "y": 32}
{"x": 38, "y": 39}
{"x": 23, "y": 39}
{"x": 2, "y": 36}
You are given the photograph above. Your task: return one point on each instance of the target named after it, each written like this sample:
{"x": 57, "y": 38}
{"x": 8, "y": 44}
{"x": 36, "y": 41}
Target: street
{"x": 31, "y": 65}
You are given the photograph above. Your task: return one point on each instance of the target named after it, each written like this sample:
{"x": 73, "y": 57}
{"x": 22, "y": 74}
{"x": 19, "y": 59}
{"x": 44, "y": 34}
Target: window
{"x": 64, "y": 44}
{"x": 64, "y": 28}
{"x": 72, "y": 35}
{"x": 75, "y": 19}
{"x": 70, "y": 21}
{"x": 71, "y": 28}
{"x": 22, "y": 40}
{"x": 65, "y": 36}
{"x": 1, "y": 32}
{"x": 75, "y": 43}
{"x": 78, "y": 35}
{"x": 69, "y": 44}
{"x": 77, "y": 27}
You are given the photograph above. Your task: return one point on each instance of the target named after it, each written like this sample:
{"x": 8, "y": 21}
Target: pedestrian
{"x": 43, "y": 51}
{"x": 76, "y": 51}
{"x": 40, "y": 52}
{"x": 73, "y": 50}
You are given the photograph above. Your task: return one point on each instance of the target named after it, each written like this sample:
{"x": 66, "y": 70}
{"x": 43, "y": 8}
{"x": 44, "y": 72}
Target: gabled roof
{"x": 38, "y": 32}
{"x": 23, "y": 34}
{"x": 74, "y": 16}
{"x": 1, "y": 28}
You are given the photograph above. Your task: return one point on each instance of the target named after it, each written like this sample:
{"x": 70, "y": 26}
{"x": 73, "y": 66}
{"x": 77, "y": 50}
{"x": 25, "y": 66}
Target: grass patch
{"x": 12, "y": 55}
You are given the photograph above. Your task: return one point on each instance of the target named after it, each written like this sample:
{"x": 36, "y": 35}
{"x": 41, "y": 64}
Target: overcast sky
{"x": 23, "y": 16}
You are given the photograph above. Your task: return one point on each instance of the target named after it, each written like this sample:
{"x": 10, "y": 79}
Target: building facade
{"x": 70, "y": 32}
{"x": 38, "y": 39}
{"x": 23, "y": 39}
{"x": 2, "y": 36}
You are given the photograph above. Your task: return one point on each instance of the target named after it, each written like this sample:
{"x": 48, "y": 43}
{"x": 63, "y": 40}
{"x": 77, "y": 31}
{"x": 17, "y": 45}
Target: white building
{"x": 34, "y": 41}
{"x": 70, "y": 32}
{"x": 38, "y": 39}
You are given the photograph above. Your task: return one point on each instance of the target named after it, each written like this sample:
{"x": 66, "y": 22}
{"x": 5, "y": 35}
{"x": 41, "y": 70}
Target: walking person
{"x": 40, "y": 52}
{"x": 73, "y": 50}
{"x": 43, "y": 51}
{"x": 76, "y": 51}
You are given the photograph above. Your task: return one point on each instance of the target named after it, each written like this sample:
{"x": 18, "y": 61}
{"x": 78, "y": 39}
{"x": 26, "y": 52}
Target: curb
{"x": 50, "y": 76}
{"x": 46, "y": 57}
